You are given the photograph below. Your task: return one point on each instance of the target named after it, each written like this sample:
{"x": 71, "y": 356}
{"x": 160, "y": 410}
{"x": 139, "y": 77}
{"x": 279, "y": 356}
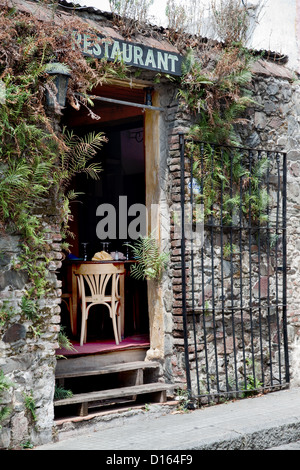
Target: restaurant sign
{"x": 136, "y": 55}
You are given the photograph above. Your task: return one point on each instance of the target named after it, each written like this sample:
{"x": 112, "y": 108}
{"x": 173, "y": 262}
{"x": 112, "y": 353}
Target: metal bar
{"x": 284, "y": 270}
{"x": 237, "y": 227}
{"x": 276, "y": 266}
{"x": 241, "y": 391}
{"x": 259, "y": 281}
{"x": 222, "y": 276}
{"x": 183, "y": 264}
{"x": 236, "y": 309}
{"x": 239, "y": 148}
{"x": 268, "y": 270}
{"x": 241, "y": 283}
{"x": 231, "y": 268}
{"x": 192, "y": 266}
{"x": 250, "y": 265}
{"x": 203, "y": 279}
{"x": 213, "y": 275}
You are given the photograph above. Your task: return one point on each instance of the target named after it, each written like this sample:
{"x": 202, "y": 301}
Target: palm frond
{"x": 80, "y": 151}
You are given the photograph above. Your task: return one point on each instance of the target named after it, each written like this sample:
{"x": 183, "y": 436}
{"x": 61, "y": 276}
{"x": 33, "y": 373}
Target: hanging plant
{"x": 226, "y": 185}
{"x": 150, "y": 261}
{"x": 216, "y": 90}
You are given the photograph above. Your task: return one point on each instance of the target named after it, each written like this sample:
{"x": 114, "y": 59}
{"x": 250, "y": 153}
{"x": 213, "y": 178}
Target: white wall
{"x": 278, "y": 29}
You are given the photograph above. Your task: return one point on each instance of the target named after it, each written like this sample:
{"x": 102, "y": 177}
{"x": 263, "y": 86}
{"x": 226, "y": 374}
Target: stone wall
{"x": 272, "y": 125}
{"x": 27, "y": 346}
{"x": 275, "y": 124}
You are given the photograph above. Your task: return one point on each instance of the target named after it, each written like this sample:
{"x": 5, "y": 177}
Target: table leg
{"x": 74, "y": 302}
{"x": 122, "y": 302}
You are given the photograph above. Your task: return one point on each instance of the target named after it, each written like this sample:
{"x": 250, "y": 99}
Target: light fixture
{"x": 137, "y": 135}
{"x": 61, "y": 75}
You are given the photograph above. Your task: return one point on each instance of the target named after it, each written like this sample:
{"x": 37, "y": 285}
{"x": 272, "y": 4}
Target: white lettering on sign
{"x": 87, "y": 45}
{"x": 127, "y": 53}
{"x": 162, "y": 60}
{"x": 173, "y": 59}
{"x": 115, "y": 52}
{"x": 137, "y": 55}
{"x": 97, "y": 50}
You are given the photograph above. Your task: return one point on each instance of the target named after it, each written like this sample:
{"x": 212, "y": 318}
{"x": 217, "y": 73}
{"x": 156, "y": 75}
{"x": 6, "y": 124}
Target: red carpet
{"x": 102, "y": 346}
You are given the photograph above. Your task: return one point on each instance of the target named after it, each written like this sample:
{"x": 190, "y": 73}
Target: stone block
{"x": 13, "y": 279}
{"x": 15, "y": 333}
{"x": 19, "y": 427}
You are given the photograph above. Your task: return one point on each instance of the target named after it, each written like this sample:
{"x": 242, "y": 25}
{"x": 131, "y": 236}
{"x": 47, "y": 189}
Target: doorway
{"x": 121, "y": 185}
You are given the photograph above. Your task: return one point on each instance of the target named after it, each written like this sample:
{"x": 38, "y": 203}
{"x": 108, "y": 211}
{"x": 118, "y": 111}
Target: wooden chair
{"x": 100, "y": 284}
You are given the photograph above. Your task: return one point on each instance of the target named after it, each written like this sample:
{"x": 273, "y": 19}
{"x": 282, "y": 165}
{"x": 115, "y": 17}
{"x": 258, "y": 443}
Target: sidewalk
{"x": 254, "y": 423}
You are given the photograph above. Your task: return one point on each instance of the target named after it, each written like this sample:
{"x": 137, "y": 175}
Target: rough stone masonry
{"x": 27, "y": 350}
{"x": 273, "y": 124}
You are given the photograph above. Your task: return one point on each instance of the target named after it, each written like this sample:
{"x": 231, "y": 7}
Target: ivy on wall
{"x": 37, "y": 158}
{"x": 216, "y": 89}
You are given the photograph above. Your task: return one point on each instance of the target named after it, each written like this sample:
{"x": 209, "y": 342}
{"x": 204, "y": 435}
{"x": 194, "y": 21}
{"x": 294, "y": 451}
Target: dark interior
{"x": 123, "y": 175}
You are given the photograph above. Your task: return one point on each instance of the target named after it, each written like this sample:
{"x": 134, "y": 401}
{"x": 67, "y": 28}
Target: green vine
{"x": 227, "y": 187}
{"x": 60, "y": 393}
{"x": 216, "y": 90}
{"x": 30, "y": 404}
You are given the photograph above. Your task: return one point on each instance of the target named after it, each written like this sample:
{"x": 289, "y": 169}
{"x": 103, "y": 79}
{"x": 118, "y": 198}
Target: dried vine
{"x": 36, "y": 158}
{"x": 216, "y": 89}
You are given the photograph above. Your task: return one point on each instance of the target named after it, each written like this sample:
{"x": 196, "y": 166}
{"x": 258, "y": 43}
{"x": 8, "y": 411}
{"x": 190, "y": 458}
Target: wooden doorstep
{"x": 135, "y": 386}
{"x": 86, "y": 400}
{"x": 97, "y": 361}
{"x": 111, "y": 369}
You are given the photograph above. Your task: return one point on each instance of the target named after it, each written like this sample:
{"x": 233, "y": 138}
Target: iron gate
{"x": 233, "y": 269}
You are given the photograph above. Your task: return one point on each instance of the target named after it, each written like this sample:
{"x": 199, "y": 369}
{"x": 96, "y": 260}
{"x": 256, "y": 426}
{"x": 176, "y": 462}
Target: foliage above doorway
{"x": 218, "y": 97}
{"x": 37, "y": 157}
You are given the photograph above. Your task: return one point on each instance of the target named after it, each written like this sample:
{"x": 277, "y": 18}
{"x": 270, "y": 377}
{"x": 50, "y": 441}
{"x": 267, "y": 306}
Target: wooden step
{"x": 87, "y": 399}
{"x": 96, "y": 361}
{"x": 110, "y": 369}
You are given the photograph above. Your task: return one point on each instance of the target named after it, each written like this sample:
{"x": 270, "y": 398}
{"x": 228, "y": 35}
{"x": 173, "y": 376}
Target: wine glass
{"x": 105, "y": 246}
{"x": 84, "y": 247}
{"x": 127, "y": 250}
